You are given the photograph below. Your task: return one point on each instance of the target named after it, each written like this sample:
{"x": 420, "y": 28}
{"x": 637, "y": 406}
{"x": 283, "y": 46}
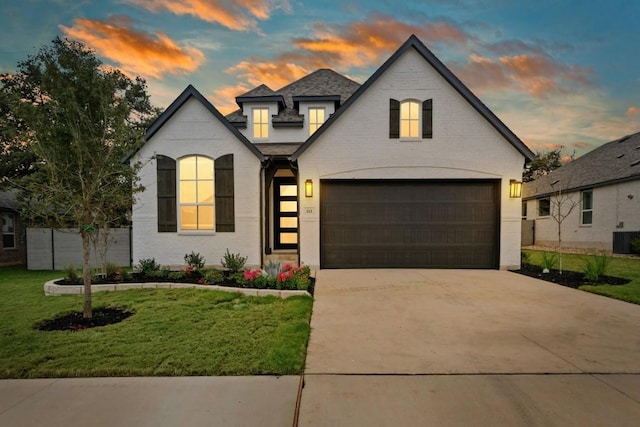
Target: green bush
{"x": 147, "y": 265}
{"x": 195, "y": 261}
{"x": 159, "y": 274}
{"x": 71, "y": 274}
{"x": 635, "y": 245}
{"x": 213, "y": 277}
{"x": 549, "y": 260}
{"x": 233, "y": 262}
{"x": 595, "y": 267}
{"x": 176, "y": 276}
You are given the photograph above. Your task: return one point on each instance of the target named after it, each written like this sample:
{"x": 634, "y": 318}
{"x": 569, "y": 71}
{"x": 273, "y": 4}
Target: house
{"x": 602, "y": 186}
{"x": 409, "y": 169}
{"x": 12, "y": 244}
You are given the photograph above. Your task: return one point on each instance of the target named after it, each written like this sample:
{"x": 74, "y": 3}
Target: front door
{"x": 285, "y": 215}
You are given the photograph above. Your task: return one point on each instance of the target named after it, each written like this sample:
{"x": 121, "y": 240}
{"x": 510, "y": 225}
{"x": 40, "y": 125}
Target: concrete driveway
{"x": 466, "y": 322}
{"x": 524, "y": 352}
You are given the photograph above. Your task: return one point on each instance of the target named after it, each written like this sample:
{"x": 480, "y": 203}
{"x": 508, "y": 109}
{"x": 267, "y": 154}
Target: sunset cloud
{"x": 237, "y": 15}
{"x": 633, "y": 111}
{"x": 135, "y": 52}
{"x": 224, "y": 98}
{"x": 274, "y": 74}
{"x": 364, "y": 43}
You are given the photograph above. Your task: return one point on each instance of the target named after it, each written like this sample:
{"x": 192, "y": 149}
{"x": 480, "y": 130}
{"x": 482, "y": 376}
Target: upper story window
{"x": 196, "y": 197}
{"x": 544, "y": 207}
{"x": 410, "y": 119}
{"x": 8, "y": 230}
{"x": 586, "y": 217}
{"x": 524, "y": 210}
{"x": 260, "y": 122}
{"x": 316, "y": 119}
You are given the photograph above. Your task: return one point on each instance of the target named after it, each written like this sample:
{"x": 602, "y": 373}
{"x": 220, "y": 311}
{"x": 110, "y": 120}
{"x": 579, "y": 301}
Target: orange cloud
{"x": 236, "y": 15}
{"x": 274, "y": 74}
{"x": 633, "y": 111}
{"x": 364, "y": 43}
{"x": 135, "y": 52}
{"x": 224, "y": 98}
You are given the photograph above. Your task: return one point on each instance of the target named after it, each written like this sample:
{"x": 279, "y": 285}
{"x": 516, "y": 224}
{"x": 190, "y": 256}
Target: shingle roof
{"x": 278, "y": 149}
{"x": 615, "y": 161}
{"x": 8, "y": 201}
{"x": 323, "y": 83}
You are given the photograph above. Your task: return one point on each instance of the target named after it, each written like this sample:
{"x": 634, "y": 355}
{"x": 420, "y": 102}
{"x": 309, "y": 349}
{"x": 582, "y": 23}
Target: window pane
{"x": 205, "y": 168}
{"x": 413, "y": 110}
{"x": 404, "y": 111}
{"x": 288, "y": 222}
{"x": 205, "y": 217}
{"x": 188, "y": 191}
{"x": 288, "y": 206}
{"x": 188, "y": 168}
{"x": 205, "y": 191}
{"x": 404, "y": 128}
{"x": 8, "y": 241}
{"x": 320, "y": 118}
{"x": 288, "y": 190}
{"x": 189, "y": 217}
{"x": 413, "y": 131}
{"x": 7, "y": 223}
{"x": 289, "y": 238}
{"x": 587, "y": 217}
{"x": 587, "y": 200}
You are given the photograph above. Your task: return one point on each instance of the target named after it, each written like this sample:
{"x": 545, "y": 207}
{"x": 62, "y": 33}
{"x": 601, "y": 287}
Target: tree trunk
{"x": 86, "y": 274}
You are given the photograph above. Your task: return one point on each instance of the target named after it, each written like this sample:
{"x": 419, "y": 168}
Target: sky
{"x": 557, "y": 72}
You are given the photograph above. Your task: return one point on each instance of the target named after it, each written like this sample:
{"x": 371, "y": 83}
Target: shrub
{"x": 233, "y": 262}
{"x": 147, "y": 265}
{"x": 292, "y": 278}
{"x": 635, "y": 245}
{"x": 595, "y": 267}
{"x": 212, "y": 277}
{"x": 194, "y": 260}
{"x": 160, "y": 273}
{"x": 71, "y": 274}
{"x": 549, "y": 260}
{"x": 176, "y": 276}
{"x": 111, "y": 270}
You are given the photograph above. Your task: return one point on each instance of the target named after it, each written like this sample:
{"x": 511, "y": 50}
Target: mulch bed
{"x": 75, "y": 322}
{"x": 571, "y": 279}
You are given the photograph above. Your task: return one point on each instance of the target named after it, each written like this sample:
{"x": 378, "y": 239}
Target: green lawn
{"x": 628, "y": 268}
{"x": 173, "y": 332}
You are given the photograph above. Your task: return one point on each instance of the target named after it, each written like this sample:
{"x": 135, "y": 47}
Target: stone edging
{"x": 50, "y": 288}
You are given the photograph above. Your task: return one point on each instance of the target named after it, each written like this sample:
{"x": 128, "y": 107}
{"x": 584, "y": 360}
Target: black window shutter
{"x": 166, "y": 174}
{"x": 394, "y": 118}
{"x": 427, "y": 119}
{"x": 225, "y": 218}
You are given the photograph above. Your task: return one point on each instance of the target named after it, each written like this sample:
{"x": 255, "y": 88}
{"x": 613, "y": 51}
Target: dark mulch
{"x": 75, "y": 322}
{"x": 571, "y": 279}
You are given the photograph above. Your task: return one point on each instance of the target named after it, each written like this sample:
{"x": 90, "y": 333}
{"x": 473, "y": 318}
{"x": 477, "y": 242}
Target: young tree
{"x": 77, "y": 120}
{"x": 561, "y": 204}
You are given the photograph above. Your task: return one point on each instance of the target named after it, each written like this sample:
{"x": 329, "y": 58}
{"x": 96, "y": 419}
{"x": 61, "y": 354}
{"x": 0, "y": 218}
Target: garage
{"x": 409, "y": 224}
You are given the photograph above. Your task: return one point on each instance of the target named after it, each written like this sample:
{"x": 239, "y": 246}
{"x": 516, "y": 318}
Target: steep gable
{"x": 414, "y": 43}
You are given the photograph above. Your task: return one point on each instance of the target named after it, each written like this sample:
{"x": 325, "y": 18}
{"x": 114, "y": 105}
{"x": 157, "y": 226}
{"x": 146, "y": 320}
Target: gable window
{"x": 260, "y": 122}
{"x": 196, "y": 193}
{"x": 316, "y": 119}
{"x": 410, "y": 119}
{"x": 544, "y": 207}
{"x": 206, "y": 198}
{"x": 8, "y": 230}
{"x": 586, "y": 217}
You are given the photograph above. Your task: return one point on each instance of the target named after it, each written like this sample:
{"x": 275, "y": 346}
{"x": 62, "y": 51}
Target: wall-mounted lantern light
{"x": 515, "y": 189}
{"x": 308, "y": 188}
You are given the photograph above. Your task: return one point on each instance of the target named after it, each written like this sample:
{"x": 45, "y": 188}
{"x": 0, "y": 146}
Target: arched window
{"x": 409, "y": 119}
{"x": 196, "y": 193}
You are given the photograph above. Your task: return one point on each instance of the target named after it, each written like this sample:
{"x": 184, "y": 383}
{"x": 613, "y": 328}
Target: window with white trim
{"x": 8, "y": 230}
{"x": 260, "y": 122}
{"x": 316, "y": 119}
{"x": 196, "y": 193}
{"x": 410, "y": 119}
{"x": 586, "y": 216}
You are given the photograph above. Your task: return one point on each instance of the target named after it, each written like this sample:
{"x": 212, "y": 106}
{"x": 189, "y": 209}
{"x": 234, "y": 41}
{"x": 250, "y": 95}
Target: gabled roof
{"x": 613, "y": 162}
{"x": 414, "y": 43}
{"x": 8, "y": 201}
{"x": 188, "y": 93}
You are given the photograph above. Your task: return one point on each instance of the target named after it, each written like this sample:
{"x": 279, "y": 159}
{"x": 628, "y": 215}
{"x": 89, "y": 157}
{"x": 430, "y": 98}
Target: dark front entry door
{"x": 411, "y": 224}
{"x": 285, "y": 213}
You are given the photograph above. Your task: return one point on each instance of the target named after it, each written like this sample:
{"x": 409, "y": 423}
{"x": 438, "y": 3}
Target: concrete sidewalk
{"x": 157, "y": 402}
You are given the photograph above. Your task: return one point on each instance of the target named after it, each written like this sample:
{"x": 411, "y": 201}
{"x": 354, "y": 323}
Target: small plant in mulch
{"x": 572, "y": 279}
{"x": 75, "y": 322}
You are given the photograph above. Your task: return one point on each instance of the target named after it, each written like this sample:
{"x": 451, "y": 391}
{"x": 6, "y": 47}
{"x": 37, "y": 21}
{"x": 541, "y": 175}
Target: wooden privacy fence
{"x": 49, "y": 249}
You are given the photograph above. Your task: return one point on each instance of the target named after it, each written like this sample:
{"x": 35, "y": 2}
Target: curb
{"x": 50, "y": 288}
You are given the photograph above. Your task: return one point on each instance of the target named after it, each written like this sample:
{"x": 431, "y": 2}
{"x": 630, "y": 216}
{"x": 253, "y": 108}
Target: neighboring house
{"x": 604, "y": 186}
{"x": 12, "y": 244}
{"x": 409, "y": 169}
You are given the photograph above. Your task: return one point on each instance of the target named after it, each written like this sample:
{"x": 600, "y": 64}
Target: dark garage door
{"x": 410, "y": 224}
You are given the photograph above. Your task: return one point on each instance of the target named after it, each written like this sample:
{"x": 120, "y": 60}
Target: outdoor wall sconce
{"x": 308, "y": 188}
{"x": 515, "y": 189}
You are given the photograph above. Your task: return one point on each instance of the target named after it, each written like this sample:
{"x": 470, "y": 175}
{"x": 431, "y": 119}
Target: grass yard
{"x": 628, "y": 268}
{"x": 173, "y": 332}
